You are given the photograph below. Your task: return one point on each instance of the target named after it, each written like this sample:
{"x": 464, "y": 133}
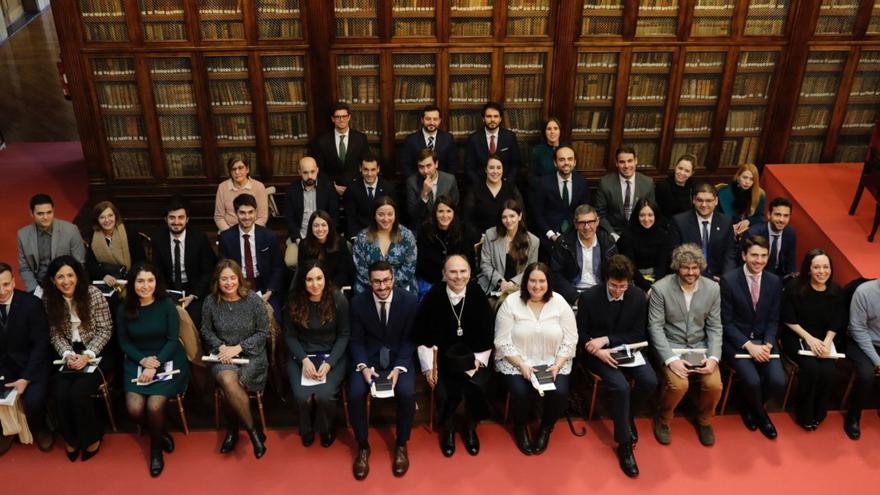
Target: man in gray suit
{"x": 44, "y": 240}
{"x": 685, "y": 313}
{"x": 423, "y": 188}
{"x": 619, "y": 192}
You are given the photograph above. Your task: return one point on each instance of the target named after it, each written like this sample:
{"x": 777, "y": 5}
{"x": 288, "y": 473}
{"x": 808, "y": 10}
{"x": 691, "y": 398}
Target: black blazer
{"x": 722, "y": 245}
{"x": 548, "y": 210}
{"x": 594, "y": 319}
{"x": 325, "y": 199}
{"x": 24, "y": 340}
{"x": 268, "y": 257}
{"x": 368, "y": 336}
{"x": 359, "y": 207}
{"x": 476, "y": 153}
{"x": 787, "y": 257}
{"x": 447, "y": 157}
{"x": 324, "y": 150}
{"x": 198, "y": 257}
{"x": 741, "y": 321}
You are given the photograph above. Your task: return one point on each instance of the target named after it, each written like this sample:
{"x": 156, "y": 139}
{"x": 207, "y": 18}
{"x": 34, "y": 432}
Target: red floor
{"x": 821, "y": 462}
{"x": 56, "y": 169}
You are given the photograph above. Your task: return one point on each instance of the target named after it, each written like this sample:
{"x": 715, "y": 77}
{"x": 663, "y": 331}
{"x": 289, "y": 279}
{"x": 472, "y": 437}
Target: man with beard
{"x": 431, "y": 137}
{"x": 710, "y": 229}
{"x": 781, "y": 236}
{"x": 492, "y": 139}
{"x": 302, "y": 198}
{"x": 339, "y": 151}
{"x": 427, "y": 186}
{"x": 557, "y": 196}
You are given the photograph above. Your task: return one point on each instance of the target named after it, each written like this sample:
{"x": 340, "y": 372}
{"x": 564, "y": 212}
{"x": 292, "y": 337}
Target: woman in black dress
{"x": 648, "y": 242}
{"x": 484, "y": 201}
{"x": 323, "y": 244}
{"x": 675, "y": 194}
{"x": 443, "y": 234}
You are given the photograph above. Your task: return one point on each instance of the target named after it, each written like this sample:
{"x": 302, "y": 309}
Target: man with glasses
{"x": 709, "y": 229}
{"x": 577, "y": 257}
{"x": 338, "y": 153}
{"x": 382, "y": 348}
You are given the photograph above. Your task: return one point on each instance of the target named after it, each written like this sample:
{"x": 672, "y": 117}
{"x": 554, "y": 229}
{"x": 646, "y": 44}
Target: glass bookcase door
{"x": 862, "y": 111}
{"x": 602, "y": 18}
{"x": 471, "y": 18}
{"x": 712, "y": 17}
{"x": 414, "y": 88}
{"x": 470, "y": 85}
{"x": 646, "y": 104}
{"x": 357, "y": 80}
{"x": 766, "y": 17}
{"x": 749, "y": 99}
{"x": 177, "y": 113}
{"x": 524, "y": 76}
{"x": 595, "y": 84}
{"x": 356, "y": 18}
{"x": 286, "y": 99}
{"x": 229, "y": 89}
{"x": 700, "y": 86}
{"x": 103, "y": 20}
{"x": 657, "y": 18}
{"x": 413, "y": 18}
{"x": 163, "y": 20}
{"x": 874, "y": 21}
{"x": 122, "y": 115}
{"x": 813, "y": 114}
{"x": 221, "y": 20}
{"x": 279, "y": 20}
{"x": 837, "y": 16}
{"x": 528, "y": 18}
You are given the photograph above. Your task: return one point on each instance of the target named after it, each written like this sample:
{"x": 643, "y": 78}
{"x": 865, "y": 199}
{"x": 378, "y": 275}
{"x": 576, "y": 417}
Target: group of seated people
{"x": 654, "y": 286}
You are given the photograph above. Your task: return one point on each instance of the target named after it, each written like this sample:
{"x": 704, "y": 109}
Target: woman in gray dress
{"x": 235, "y": 324}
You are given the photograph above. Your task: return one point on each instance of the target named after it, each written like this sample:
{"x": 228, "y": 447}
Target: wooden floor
{"x": 32, "y": 107}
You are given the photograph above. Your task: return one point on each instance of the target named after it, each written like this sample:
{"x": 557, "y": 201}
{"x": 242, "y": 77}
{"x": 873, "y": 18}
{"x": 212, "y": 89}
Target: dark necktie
{"x": 627, "y": 201}
{"x": 706, "y": 240}
{"x": 383, "y": 313}
{"x": 178, "y": 272}
{"x": 248, "y": 258}
{"x": 370, "y": 192}
{"x": 566, "y": 201}
{"x": 774, "y": 258}
{"x": 3, "y": 314}
{"x": 492, "y": 144}
{"x": 430, "y": 142}
{"x": 342, "y": 149}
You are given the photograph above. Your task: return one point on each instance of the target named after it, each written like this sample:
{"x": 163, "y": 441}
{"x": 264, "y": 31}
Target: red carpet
{"x": 820, "y": 462}
{"x": 822, "y": 194}
{"x": 57, "y": 169}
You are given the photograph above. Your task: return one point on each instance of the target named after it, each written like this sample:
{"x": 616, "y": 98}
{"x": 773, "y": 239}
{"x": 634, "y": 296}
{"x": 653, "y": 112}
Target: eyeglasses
{"x": 704, "y": 201}
{"x": 380, "y": 282}
{"x": 341, "y": 117}
{"x": 581, "y": 223}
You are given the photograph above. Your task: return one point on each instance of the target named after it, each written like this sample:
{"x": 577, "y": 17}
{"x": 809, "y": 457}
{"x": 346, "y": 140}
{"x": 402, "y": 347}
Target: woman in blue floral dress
{"x": 386, "y": 240}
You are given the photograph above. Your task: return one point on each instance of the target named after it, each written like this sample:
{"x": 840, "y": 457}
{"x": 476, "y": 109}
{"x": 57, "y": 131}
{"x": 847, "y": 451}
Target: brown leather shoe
{"x": 5, "y": 443}
{"x": 401, "y": 461}
{"x": 45, "y": 439}
{"x": 361, "y": 467}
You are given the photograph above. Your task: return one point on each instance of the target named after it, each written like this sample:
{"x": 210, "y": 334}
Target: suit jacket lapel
{"x": 747, "y": 291}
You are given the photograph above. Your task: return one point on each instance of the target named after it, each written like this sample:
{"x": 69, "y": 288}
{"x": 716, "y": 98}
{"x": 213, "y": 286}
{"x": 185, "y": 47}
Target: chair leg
{"x": 507, "y": 407}
{"x": 848, "y": 391}
{"x": 727, "y": 388}
{"x": 182, "y": 413}
{"x": 369, "y": 407}
{"x": 345, "y": 407}
{"x": 105, "y": 393}
{"x": 857, "y": 197}
{"x": 217, "y": 409}
{"x": 593, "y": 399}
{"x": 788, "y": 388}
{"x": 259, "y": 397}
{"x": 876, "y": 223}
{"x": 431, "y": 413}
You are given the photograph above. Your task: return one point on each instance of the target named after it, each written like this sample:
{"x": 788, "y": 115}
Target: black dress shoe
{"x": 45, "y": 439}
{"x": 361, "y": 467}
{"x": 157, "y": 462}
{"x": 471, "y": 441}
{"x": 229, "y": 441}
{"x": 627, "y": 460}
{"x": 521, "y": 436}
{"x": 749, "y": 419}
{"x": 327, "y": 438}
{"x": 86, "y": 455}
{"x": 257, "y": 438}
{"x": 634, "y": 432}
{"x": 6, "y": 443}
{"x": 851, "y": 427}
{"x": 541, "y": 440}
{"x": 767, "y": 428}
{"x": 447, "y": 443}
{"x": 167, "y": 443}
{"x": 808, "y": 425}
{"x": 308, "y": 439}
{"x": 72, "y": 455}
{"x": 401, "y": 461}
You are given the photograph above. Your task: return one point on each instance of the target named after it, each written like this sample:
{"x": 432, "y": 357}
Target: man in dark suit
{"x": 613, "y": 315}
{"x": 620, "y": 191}
{"x": 426, "y": 186}
{"x": 382, "y": 342}
{"x": 556, "y": 198}
{"x": 256, "y": 248}
{"x": 362, "y": 193}
{"x": 303, "y": 197}
{"x": 781, "y": 236}
{"x": 586, "y": 246}
{"x": 750, "y": 301}
{"x": 430, "y": 136}
{"x": 338, "y": 153}
{"x": 711, "y": 230}
{"x": 492, "y": 139}
{"x": 24, "y": 356}
{"x": 184, "y": 257}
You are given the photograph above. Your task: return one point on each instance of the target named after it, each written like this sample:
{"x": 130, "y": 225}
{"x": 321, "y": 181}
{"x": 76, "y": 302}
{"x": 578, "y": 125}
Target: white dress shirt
{"x": 700, "y": 221}
{"x": 588, "y": 278}
{"x": 336, "y": 135}
{"x": 377, "y": 302}
{"x": 252, "y": 240}
{"x": 182, "y": 239}
{"x": 488, "y": 139}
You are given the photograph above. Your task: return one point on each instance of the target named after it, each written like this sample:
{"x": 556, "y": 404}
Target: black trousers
{"x": 452, "y": 388}
{"x": 865, "y": 377}
{"x": 758, "y": 382}
{"x": 326, "y": 398}
{"x": 624, "y": 402}
{"x": 33, "y": 400}
{"x": 815, "y": 376}
{"x": 404, "y": 394}
{"x": 75, "y": 407}
{"x": 555, "y": 401}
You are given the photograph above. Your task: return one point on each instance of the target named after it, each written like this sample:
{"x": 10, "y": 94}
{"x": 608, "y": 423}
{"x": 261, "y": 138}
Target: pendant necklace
{"x": 458, "y": 331}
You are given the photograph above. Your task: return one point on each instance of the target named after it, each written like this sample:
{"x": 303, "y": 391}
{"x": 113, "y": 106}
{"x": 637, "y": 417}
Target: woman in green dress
{"x": 148, "y": 326}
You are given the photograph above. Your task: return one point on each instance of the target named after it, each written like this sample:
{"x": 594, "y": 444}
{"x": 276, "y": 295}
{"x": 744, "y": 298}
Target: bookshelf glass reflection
{"x": 813, "y": 114}
{"x": 837, "y": 16}
{"x": 231, "y": 108}
{"x": 749, "y": 99}
{"x": 862, "y": 111}
{"x": 179, "y": 130}
{"x": 356, "y": 18}
{"x": 874, "y": 22}
{"x": 593, "y": 107}
{"x": 285, "y": 92}
{"x": 413, "y": 18}
{"x": 163, "y": 20}
{"x": 122, "y": 115}
{"x": 104, "y": 20}
{"x": 766, "y": 17}
{"x": 414, "y": 88}
{"x": 221, "y": 20}
{"x": 646, "y": 104}
{"x": 279, "y": 19}
{"x": 700, "y": 85}
{"x": 470, "y": 81}
{"x": 528, "y": 17}
{"x": 602, "y": 18}
{"x": 471, "y": 18}
{"x": 357, "y": 79}
{"x": 657, "y": 18}
{"x": 712, "y": 17}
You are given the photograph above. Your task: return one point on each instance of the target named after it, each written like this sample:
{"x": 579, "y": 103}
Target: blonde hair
{"x": 757, "y": 192}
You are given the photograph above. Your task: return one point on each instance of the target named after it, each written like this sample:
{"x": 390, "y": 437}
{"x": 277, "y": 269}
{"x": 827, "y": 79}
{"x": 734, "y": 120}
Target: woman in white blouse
{"x": 535, "y": 326}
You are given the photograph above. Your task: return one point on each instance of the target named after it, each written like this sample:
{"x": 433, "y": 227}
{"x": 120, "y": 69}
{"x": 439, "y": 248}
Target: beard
{"x": 309, "y": 182}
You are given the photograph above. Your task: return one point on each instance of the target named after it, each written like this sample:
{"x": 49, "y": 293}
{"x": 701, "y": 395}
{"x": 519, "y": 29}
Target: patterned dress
{"x": 401, "y": 256}
{"x": 246, "y": 323}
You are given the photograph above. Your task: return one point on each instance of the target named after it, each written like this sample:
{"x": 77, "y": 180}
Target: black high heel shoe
{"x": 257, "y": 439}
{"x": 167, "y": 443}
{"x": 86, "y": 455}
{"x": 72, "y": 455}
{"x": 157, "y": 461}
{"x": 229, "y": 441}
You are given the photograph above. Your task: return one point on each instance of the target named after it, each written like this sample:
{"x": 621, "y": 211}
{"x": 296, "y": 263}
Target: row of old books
{"x": 742, "y": 121}
{"x": 229, "y": 93}
{"x": 735, "y": 151}
{"x": 595, "y": 87}
{"x": 284, "y": 126}
{"x": 285, "y": 92}
{"x": 702, "y": 88}
{"x": 359, "y": 89}
{"x": 591, "y": 121}
{"x": 643, "y": 122}
{"x": 413, "y": 90}
{"x": 468, "y": 89}
{"x": 124, "y": 128}
{"x": 174, "y": 95}
{"x": 179, "y": 128}
{"x": 118, "y": 96}
{"x": 524, "y": 88}
{"x": 811, "y": 118}
{"x": 694, "y": 121}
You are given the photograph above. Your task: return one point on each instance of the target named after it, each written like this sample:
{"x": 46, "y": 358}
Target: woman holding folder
{"x": 155, "y": 365}
{"x": 316, "y": 331}
{"x": 79, "y": 328}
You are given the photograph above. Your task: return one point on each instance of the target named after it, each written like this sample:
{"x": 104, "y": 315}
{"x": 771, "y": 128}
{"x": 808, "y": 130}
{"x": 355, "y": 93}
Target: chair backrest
{"x": 146, "y": 241}
{"x": 873, "y": 152}
{"x": 273, "y": 206}
{"x": 189, "y": 338}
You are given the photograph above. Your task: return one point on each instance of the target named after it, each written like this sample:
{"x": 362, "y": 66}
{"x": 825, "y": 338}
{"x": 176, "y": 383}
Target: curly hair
{"x": 56, "y": 307}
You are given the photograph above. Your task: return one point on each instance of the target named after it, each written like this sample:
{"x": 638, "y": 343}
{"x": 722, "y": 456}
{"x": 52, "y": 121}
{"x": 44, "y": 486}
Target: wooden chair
{"x": 178, "y": 400}
{"x": 432, "y": 408}
{"x": 103, "y": 393}
{"x": 254, "y": 396}
{"x": 273, "y": 206}
{"x": 728, "y": 385}
{"x": 791, "y": 370}
{"x": 870, "y": 179}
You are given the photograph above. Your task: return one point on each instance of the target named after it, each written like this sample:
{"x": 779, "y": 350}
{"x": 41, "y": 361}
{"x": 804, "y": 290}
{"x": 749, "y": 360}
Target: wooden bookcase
{"x": 166, "y": 91}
